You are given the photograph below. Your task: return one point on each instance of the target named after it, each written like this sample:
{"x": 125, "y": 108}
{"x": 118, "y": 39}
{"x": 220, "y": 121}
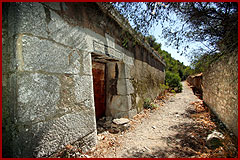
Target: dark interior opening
{"x": 99, "y": 86}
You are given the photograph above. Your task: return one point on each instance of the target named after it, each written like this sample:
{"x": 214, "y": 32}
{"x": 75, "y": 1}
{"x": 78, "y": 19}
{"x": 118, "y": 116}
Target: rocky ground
{"x": 181, "y": 126}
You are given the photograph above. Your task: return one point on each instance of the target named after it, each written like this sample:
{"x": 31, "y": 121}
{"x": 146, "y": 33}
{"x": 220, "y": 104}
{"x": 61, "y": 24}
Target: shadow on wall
{"x": 31, "y": 138}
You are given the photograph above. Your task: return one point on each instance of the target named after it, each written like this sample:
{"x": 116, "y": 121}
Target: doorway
{"x": 99, "y": 86}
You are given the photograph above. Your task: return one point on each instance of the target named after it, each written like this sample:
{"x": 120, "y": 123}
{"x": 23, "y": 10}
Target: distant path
{"x": 158, "y": 134}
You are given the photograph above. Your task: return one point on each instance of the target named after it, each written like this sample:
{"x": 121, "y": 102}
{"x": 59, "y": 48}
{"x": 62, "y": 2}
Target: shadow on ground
{"x": 184, "y": 144}
{"x": 190, "y": 140}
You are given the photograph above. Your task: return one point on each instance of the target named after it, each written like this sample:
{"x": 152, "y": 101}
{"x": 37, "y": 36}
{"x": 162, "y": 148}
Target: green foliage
{"x": 172, "y": 64}
{"x": 148, "y": 104}
{"x": 152, "y": 42}
{"x": 154, "y": 106}
{"x": 202, "y": 62}
{"x": 164, "y": 87}
{"x": 180, "y": 87}
{"x": 173, "y": 81}
{"x": 126, "y": 38}
{"x": 213, "y": 23}
{"x": 175, "y": 70}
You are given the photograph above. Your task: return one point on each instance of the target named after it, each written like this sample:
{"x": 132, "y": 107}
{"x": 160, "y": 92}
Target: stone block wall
{"x": 47, "y": 83}
{"x": 48, "y": 97}
{"x": 129, "y": 84}
{"x": 220, "y": 90}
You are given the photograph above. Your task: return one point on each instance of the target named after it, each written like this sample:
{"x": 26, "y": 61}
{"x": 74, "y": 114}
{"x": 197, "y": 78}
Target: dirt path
{"x": 178, "y": 128}
{"x": 153, "y": 136}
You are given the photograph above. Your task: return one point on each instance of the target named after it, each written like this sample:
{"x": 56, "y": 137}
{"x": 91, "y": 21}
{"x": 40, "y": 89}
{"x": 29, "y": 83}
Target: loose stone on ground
{"x": 180, "y": 127}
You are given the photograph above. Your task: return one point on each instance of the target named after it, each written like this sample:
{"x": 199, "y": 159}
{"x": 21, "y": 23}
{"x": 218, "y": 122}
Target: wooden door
{"x": 98, "y": 70}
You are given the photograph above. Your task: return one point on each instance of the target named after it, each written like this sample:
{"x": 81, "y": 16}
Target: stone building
{"x": 66, "y": 65}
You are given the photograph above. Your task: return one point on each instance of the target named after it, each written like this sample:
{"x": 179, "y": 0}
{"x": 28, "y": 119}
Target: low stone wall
{"x": 196, "y": 81}
{"x": 196, "y": 84}
{"x": 220, "y": 90}
{"x": 48, "y": 96}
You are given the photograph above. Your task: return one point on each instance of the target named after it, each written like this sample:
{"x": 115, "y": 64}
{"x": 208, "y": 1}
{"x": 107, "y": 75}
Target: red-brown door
{"x": 98, "y": 70}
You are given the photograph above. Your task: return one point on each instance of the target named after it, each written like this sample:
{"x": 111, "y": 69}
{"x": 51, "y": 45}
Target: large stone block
{"x": 68, "y": 102}
{"x": 55, "y": 5}
{"x": 128, "y": 58}
{"x": 64, "y": 33}
{"x": 119, "y": 114}
{"x": 125, "y": 70}
{"x": 121, "y": 87}
{"x": 124, "y": 87}
{"x": 84, "y": 90}
{"x": 86, "y": 63}
{"x": 112, "y": 70}
{"x": 130, "y": 88}
{"x": 120, "y": 103}
{"x": 115, "y": 54}
{"x": 45, "y": 138}
{"x": 27, "y": 17}
{"x": 128, "y": 71}
{"x": 44, "y": 55}
{"x": 38, "y": 95}
{"x": 132, "y": 113}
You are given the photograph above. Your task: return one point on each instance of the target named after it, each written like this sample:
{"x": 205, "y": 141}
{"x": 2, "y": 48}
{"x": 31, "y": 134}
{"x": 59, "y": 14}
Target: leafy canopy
{"x": 214, "y": 24}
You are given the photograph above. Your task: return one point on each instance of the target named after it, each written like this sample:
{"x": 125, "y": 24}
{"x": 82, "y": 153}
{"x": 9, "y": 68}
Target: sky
{"x": 156, "y": 31}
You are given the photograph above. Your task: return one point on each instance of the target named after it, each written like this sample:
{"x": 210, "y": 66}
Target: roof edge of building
{"x": 113, "y": 13}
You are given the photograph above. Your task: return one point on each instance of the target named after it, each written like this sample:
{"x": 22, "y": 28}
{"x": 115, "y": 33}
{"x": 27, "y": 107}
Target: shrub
{"x": 163, "y": 87}
{"x": 149, "y": 105}
{"x": 153, "y": 106}
{"x": 173, "y": 80}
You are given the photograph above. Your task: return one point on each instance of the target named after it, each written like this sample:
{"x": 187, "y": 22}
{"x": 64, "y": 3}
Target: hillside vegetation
{"x": 176, "y": 71}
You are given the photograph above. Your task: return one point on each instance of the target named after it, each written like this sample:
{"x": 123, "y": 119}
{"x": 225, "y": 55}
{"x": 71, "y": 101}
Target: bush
{"x": 148, "y": 104}
{"x": 163, "y": 88}
{"x": 153, "y": 106}
{"x": 173, "y": 80}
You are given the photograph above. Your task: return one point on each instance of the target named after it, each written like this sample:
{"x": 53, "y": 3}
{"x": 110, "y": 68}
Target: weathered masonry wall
{"x": 48, "y": 96}
{"x": 47, "y": 83}
{"x": 220, "y": 90}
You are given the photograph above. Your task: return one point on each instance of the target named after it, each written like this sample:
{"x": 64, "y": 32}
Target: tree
{"x": 214, "y": 24}
{"x": 152, "y": 42}
{"x": 172, "y": 65}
